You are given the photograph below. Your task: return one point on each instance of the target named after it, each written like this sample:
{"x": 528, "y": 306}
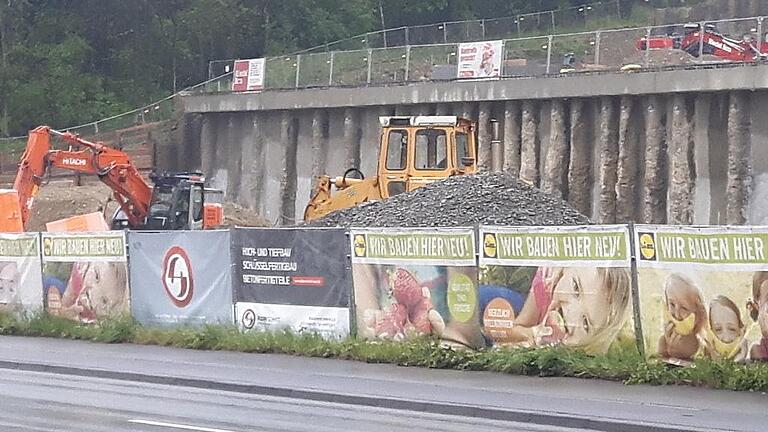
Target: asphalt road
{"x": 43, "y": 402}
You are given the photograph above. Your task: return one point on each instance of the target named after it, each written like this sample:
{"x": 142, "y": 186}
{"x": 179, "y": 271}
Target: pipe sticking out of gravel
{"x": 488, "y": 198}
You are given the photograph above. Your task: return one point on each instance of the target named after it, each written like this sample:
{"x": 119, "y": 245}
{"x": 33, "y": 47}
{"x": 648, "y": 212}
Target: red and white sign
{"x": 248, "y": 75}
{"x": 177, "y": 276}
{"x": 480, "y": 59}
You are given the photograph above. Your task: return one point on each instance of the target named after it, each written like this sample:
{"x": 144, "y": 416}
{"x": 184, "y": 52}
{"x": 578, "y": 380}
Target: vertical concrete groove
{"x": 484, "y": 137}
{"x": 351, "y": 139}
{"x": 529, "y": 148}
{"x": 655, "y": 182}
{"x": 558, "y": 153}
{"x": 289, "y": 140}
{"x": 319, "y": 147}
{"x": 627, "y": 164}
{"x": 511, "y": 138}
{"x": 609, "y": 154}
{"x": 580, "y": 175}
{"x": 681, "y": 167}
{"x": 739, "y": 163}
{"x": 255, "y": 156}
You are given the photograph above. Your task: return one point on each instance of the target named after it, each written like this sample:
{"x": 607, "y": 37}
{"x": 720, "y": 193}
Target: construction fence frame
{"x": 592, "y": 51}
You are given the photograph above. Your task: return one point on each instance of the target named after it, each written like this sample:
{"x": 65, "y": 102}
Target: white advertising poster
{"x": 480, "y": 59}
{"x": 328, "y": 322}
{"x": 21, "y": 288}
{"x": 248, "y": 75}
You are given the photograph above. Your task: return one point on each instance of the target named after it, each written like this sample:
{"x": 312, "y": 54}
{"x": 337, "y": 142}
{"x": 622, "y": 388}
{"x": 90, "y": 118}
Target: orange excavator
{"x": 176, "y": 202}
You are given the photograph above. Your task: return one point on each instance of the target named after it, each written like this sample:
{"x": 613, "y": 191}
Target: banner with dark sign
{"x": 297, "y": 279}
{"x": 181, "y": 277}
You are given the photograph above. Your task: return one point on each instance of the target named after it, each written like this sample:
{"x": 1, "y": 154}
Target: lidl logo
{"x": 647, "y": 246}
{"x": 490, "y": 245}
{"x": 359, "y": 243}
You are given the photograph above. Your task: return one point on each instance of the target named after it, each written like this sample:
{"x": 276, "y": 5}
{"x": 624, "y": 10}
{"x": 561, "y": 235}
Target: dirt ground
{"x": 62, "y": 199}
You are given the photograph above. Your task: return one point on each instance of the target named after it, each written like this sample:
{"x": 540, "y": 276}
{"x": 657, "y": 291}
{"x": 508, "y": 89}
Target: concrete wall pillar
{"x": 702, "y": 197}
{"x": 529, "y": 150}
{"x": 609, "y": 154}
{"x": 739, "y": 155}
{"x": 558, "y": 152}
{"x": 655, "y": 183}
{"x": 319, "y": 146}
{"x": 626, "y": 186}
{"x": 682, "y": 167}
{"x": 252, "y": 153}
{"x": 207, "y": 144}
{"x": 580, "y": 175}
{"x": 289, "y": 140}
{"x": 511, "y": 138}
{"x": 351, "y": 138}
{"x": 484, "y": 137}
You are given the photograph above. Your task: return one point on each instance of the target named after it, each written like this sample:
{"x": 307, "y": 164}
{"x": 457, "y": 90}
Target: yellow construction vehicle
{"x": 414, "y": 151}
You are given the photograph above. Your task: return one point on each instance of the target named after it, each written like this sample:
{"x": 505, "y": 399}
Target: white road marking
{"x": 177, "y": 426}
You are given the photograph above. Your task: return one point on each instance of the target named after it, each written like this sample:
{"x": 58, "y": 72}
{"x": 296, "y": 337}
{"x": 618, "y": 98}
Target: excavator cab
{"x": 416, "y": 151}
{"x": 179, "y": 202}
{"x": 413, "y": 152}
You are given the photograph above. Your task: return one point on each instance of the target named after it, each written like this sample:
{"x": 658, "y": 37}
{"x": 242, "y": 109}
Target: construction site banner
{"x": 248, "y": 75}
{"x": 479, "y": 60}
{"x": 703, "y": 292}
{"x": 85, "y": 275}
{"x": 21, "y": 289}
{"x": 543, "y": 286}
{"x": 411, "y": 282}
{"x": 181, "y": 277}
{"x": 296, "y": 279}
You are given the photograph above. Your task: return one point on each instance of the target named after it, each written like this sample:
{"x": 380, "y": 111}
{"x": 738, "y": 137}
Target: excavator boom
{"x": 112, "y": 166}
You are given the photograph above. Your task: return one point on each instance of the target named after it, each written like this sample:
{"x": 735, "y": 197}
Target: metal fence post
{"x": 760, "y": 35}
{"x": 549, "y": 53}
{"x": 482, "y": 26}
{"x": 554, "y": 27}
{"x": 370, "y": 57}
{"x": 445, "y": 33}
{"x": 298, "y": 69}
{"x": 597, "y": 47}
{"x": 96, "y": 127}
{"x": 407, "y": 39}
{"x": 517, "y": 21}
{"x": 407, "y": 63}
{"x": 701, "y": 41}
{"x": 647, "y": 48}
{"x": 330, "y": 71}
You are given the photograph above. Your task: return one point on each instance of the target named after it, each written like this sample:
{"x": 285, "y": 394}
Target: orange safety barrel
{"x": 10, "y": 212}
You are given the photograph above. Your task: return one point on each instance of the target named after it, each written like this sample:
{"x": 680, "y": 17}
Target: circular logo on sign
{"x": 647, "y": 247}
{"x": 177, "y": 276}
{"x": 249, "y": 319}
{"x": 498, "y": 320}
{"x": 360, "y": 245}
{"x": 489, "y": 245}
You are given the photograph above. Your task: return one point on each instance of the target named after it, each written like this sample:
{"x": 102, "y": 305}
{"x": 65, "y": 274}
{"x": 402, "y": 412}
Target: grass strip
{"x": 623, "y": 363}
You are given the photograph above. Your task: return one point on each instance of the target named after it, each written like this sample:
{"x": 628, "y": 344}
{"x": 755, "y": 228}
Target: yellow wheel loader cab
{"x": 413, "y": 152}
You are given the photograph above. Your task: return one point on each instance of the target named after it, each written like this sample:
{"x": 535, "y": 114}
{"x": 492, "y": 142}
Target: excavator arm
{"x": 112, "y": 166}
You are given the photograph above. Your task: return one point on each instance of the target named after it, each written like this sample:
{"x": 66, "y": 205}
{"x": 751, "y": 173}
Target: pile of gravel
{"x": 488, "y": 198}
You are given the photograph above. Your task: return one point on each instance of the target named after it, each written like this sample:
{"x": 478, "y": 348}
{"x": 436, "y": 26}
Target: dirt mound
{"x": 235, "y": 215}
{"x": 491, "y": 199}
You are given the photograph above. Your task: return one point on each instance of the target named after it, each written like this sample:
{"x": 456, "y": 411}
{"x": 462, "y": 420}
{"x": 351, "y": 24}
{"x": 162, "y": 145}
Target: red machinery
{"x": 714, "y": 43}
